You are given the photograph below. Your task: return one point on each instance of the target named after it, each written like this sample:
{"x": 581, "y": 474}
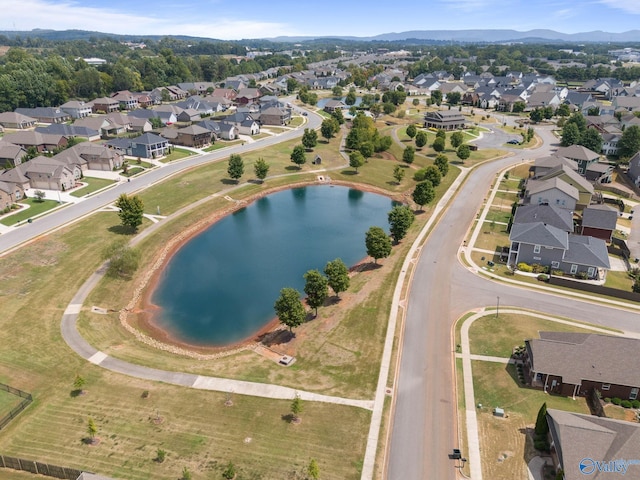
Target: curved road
{"x": 442, "y": 290}
{"x": 27, "y": 232}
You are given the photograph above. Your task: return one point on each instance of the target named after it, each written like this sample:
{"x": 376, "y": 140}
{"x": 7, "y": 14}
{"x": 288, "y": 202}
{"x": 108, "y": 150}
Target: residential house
{"x": 599, "y": 172}
{"x": 332, "y": 105}
{"x": 147, "y": 145}
{"x": 570, "y": 177}
{"x": 199, "y": 88}
{"x": 165, "y": 117}
{"x": 42, "y": 142}
{"x": 106, "y": 127}
{"x": 630, "y": 104}
{"x": 140, "y": 125}
{"x": 118, "y": 118}
{"x": 574, "y": 364}
{"x": 10, "y": 154}
{"x": 76, "y": 108}
{"x": 247, "y": 95}
{"x": 599, "y": 221}
{"x": 18, "y": 181}
{"x": 200, "y": 105}
{"x": 104, "y": 105}
{"x": 244, "y": 122}
{"x": 548, "y": 214}
{"x": 445, "y": 120}
{"x": 9, "y": 194}
{"x": 45, "y": 114}
{"x": 546, "y": 245}
{"x": 633, "y": 171}
{"x": 193, "y": 136}
{"x": 274, "y": 116}
{"x": 126, "y": 100}
{"x": 554, "y": 191}
{"x": 224, "y": 131}
{"x": 189, "y": 115}
{"x": 176, "y": 93}
{"x": 46, "y": 173}
{"x": 543, "y": 100}
{"x": 543, "y": 165}
{"x": 94, "y": 156}
{"x": 581, "y": 155}
{"x": 610, "y": 143}
{"x": 228, "y": 93}
{"x": 16, "y": 121}
{"x": 70, "y": 131}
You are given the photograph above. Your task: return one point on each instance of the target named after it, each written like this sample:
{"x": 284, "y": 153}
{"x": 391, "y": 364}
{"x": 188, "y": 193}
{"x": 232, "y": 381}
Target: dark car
{"x": 513, "y": 142}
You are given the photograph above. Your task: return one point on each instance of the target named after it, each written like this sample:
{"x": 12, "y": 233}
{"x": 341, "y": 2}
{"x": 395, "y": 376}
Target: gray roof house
{"x": 599, "y": 221}
{"x": 45, "y": 114}
{"x": 146, "y": 145}
{"x": 76, "y": 108}
{"x": 553, "y": 191}
{"x": 543, "y": 165}
{"x": 16, "y": 120}
{"x": 634, "y": 169}
{"x": 546, "y": 245}
{"x": 578, "y": 441}
{"x": 549, "y": 214}
{"x": 581, "y": 155}
{"x": 11, "y": 154}
{"x": 70, "y": 131}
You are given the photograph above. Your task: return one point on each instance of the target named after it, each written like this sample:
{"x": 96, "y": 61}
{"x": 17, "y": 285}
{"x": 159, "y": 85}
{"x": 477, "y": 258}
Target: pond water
{"x": 220, "y": 287}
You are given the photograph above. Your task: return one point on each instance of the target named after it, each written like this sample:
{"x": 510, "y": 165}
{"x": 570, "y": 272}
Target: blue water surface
{"x": 220, "y": 287}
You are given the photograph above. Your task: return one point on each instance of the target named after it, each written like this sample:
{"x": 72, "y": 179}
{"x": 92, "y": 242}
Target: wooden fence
{"x": 39, "y": 468}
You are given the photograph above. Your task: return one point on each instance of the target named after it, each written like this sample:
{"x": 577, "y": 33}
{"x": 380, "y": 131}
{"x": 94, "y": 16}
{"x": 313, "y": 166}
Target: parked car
{"x": 513, "y": 142}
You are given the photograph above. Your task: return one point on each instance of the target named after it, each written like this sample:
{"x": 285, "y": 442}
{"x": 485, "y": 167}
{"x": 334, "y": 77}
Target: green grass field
{"x": 176, "y": 154}
{"x": 93, "y": 185}
{"x": 35, "y": 208}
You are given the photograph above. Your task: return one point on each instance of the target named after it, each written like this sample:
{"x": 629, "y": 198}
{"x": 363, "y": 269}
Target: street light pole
{"x": 498, "y": 307}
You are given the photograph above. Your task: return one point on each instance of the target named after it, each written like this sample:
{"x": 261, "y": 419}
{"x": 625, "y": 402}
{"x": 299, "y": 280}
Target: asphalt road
{"x": 27, "y": 232}
{"x": 442, "y": 290}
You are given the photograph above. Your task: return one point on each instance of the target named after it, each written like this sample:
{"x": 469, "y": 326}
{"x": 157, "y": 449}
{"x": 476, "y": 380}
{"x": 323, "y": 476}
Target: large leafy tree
{"x": 591, "y": 139}
{"x": 432, "y": 173}
{"x": 438, "y": 144}
{"x": 436, "y": 97}
{"x": 401, "y": 218}
{"x": 456, "y": 139}
{"x": 421, "y": 139}
{"x": 412, "y": 131}
{"x": 378, "y": 243}
{"x": 453, "y": 98}
{"x": 235, "y": 169}
{"x": 317, "y": 289}
{"x": 463, "y": 152}
{"x": 409, "y": 154}
{"x": 131, "y": 210}
{"x": 337, "y": 276}
{"x": 289, "y": 308}
{"x": 423, "y": 193}
{"x": 629, "y": 143}
{"x": 356, "y": 160}
{"x": 570, "y": 134}
{"x": 442, "y": 162}
{"x": 309, "y": 138}
{"x": 298, "y": 156}
{"x": 329, "y": 128}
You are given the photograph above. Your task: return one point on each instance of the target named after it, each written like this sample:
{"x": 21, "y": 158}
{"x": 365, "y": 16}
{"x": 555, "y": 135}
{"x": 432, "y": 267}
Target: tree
{"x": 388, "y": 108}
{"x": 39, "y": 195}
{"x": 441, "y": 134}
{"x": 629, "y": 143}
{"x": 313, "y": 470}
{"x": 570, "y": 134}
{"x": 78, "y": 383}
{"x": 563, "y": 110}
{"x": 337, "y": 91}
{"x": 329, "y": 128}
{"x": 421, "y": 139}
{"x": 415, "y": 102}
{"x": 261, "y": 169}
{"x": 235, "y": 170}
{"x": 463, "y": 152}
{"x": 350, "y": 99}
{"x": 131, "y": 210}
{"x": 542, "y": 427}
{"x": 92, "y": 430}
{"x": 366, "y": 149}
{"x": 409, "y": 155}
{"x": 442, "y": 162}
{"x": 337, "y": 114}
{"x": 400, "y": 220}
{"x": 438, "y": 144}
{"x": 123, "y": 260}
{"x": 412, "y": 131}
{"x": 316, "y": 288}
{"x": 289, "y": 308}
{"x": 518, "y": 107}
{"x": 536, "y": 115}
{"x": 356, "y": 160}
{"x": 309, "y": 138}
{"x": 453, "y": 98}
{"x": 423, "y": 193}
{"x": 298, "y": 156}
{"x": 456, "y": 139}
{"x": 432, "y": 173}
{"x": 296, "y": 408}
{"x": 591, "y": 139}
{"x": 161, "y": 455}
{"x": 337, "y": 276}
{"x": 375, "y": 109}
{"x": 378, "y": 243}
{"x": 398, "y": 173}
{"x": 436, "y": 97}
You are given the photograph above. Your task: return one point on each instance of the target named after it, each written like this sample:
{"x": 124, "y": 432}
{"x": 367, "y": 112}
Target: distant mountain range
{"x": 420, "y": 36}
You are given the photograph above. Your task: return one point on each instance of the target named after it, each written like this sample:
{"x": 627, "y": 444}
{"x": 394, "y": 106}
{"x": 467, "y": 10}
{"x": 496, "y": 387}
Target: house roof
{"x": 553, "y": 161}
{"x": 578, "y": 152}
{"x": 15, "y": 118}
{"x": 194, "y": 130}
{"x": 571, "y": 177}
{"x": 542, "y": 185}
{"x": 68, "y": 130}
{"x": 587, "y": 251}
{"x": 9, "y": 150}
{"x": 148, "y": 139}
{"x": 577, "y": 437}
{"x": 32, "y": 138}
{"x": 600, "y": 216}
{"x": 587, "y": 356}
{"x": 43, "y": 112}
{"x": 550, "y": 214}
{"x": 539, "y": 233}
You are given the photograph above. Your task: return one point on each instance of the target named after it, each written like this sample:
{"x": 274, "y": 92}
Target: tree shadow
{"x": 349, "y": 172}
{"x": 292, "y": 168}
{"x": 229, "y": 181}
{"x": 367, "y": 267}
{"x": 288, "y": 417}
{"x": 76, "y": 393}
{"x": 122, "y": 230}
{"x": 277, "y": 337}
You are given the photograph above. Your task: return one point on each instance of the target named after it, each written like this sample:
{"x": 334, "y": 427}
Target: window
{"x": 591, "y": 272}
{"x": 606, "y": 386}
{"x": 574, "y": 269}
{"x": 555, "y": 264}
{"x": 634, "y": 394}
{"x": 536, "y": 249}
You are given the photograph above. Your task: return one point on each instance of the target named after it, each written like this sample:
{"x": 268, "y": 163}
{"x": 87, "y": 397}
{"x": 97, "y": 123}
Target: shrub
{"x": 635, "y": 403}
{"x": 625, "y": 403}
{"x": 419, "y": 176}
{"x": 543, "y": 278}
{"x": 229, "y": 472}
{"x": 616, "y": 401}
{"x": 537, "y": 268}
{"x": 607, "y": 400}
{"x": 581, "y": 275}
{"x": 557, "y": 273}
{"x": 160, "y": 455}
{"x": 541, "y": 445}
{"x": 525, "y": 267}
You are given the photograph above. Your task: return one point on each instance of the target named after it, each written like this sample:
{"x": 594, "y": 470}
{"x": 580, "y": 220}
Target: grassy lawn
{"x": 131, "y": 171}
{"x": 498, "y": 214}
{"x": 498, "y": 336}
{"x": 620, "y": 280}
{"x": 8, "y": 402}
{"x": 177, "y": 154}
{"x": 93, "y": 185}
{"x": 492, "y": 237}
{"x": 296, "y": 121}
{"x": 35, "y": 208}
{"x": 504, "y": 447}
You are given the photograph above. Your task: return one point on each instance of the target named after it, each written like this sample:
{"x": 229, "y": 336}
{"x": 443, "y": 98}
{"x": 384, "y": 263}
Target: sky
{"x": 234, "y": 20}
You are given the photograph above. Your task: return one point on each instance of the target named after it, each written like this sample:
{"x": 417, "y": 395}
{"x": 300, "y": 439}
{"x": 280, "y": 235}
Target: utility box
{"x": 498, "y": 412}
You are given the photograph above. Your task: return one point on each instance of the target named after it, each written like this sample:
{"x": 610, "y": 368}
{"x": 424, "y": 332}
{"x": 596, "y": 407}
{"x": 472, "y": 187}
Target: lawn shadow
{"x": 229, "y": 181}
{"x": 349, "y": 172}
{"x": 292, "y": 168}
{"x": 277, "y": 337}
{"x": 122, "y": 230}
{"x": 367, "y": 267}
{"x": 287, "y": 418}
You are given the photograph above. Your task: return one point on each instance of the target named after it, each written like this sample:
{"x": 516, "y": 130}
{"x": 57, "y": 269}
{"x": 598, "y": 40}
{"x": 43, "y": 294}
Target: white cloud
{"x": 29, "y": 14}
{"x": 467, "y": 5}
{"x": 629, "y": 6}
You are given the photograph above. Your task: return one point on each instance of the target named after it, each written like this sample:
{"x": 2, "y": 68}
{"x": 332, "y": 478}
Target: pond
{"x": 220, "y": 287}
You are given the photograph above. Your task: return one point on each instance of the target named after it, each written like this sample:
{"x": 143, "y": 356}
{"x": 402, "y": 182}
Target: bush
{"x": 543, "y": 278}
{"x": 616, "y": 401}
{"x": 607, "y": 400}
{"x": 625, "y": 403}
{"x": 557, "y": 273}
{"x": 581, "y": 275}
{"x": 525, "y": 267}
{"x": 635, "y": 403}
{"x": 419, "y": 176}
{"x": 537, "y": 268}
{"x": 230, "y": 471}
{"x": 541, "y": 445}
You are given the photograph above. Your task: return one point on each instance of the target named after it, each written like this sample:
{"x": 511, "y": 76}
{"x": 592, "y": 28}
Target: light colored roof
{"x": 539, "y": 233}
{"x": 578, "y": 152}
{"x": 537, "y": 186}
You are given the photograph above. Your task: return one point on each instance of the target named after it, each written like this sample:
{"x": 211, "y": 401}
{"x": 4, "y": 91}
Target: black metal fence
{"x": 23, "y": 404}
{"x": 39, "y": 468}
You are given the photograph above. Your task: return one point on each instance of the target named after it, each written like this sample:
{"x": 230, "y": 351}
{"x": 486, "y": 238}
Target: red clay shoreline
{"x": 144, "y": 326}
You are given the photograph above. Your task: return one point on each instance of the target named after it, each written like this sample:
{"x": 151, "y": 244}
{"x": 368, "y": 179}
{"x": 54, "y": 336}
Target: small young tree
{"x": 337, "y": 276}
{"x": 378, "y": 243}
{"x": 261, "y": 169}
{"x": 423, "y": 193}
{"x": 186, "y": 474}
{"x": 39, "y": 195}
{"x": 289, "y": 308}
{"x": 309, "y": 138}
{"x": 235, "y": 170}
{"x": 463, "y": 152}
{"x": 229, "y": 472}
{"x": 161, "y": 455}
{"x": 78, "y": 383}
{"x": 131, "y": 210}
{"x": 356, "y": 160}
{"x": 316, "y": 288}
{"x": 92, "y": 430}
{"x": 398, "y": 173}
{"x": 123, "y": 260}
{"x": 313, "y": 470}
{"x": 409, "y": 155}
{"x": 456, "y": 139}
{"x": 329, "y": 128}
{"x": 421, "y": 139}
{"x": 442, "y": 162}
{"x": 296, "y": 408}
{"x": 298, "y": 156}
{"x": 432, "y": 173}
